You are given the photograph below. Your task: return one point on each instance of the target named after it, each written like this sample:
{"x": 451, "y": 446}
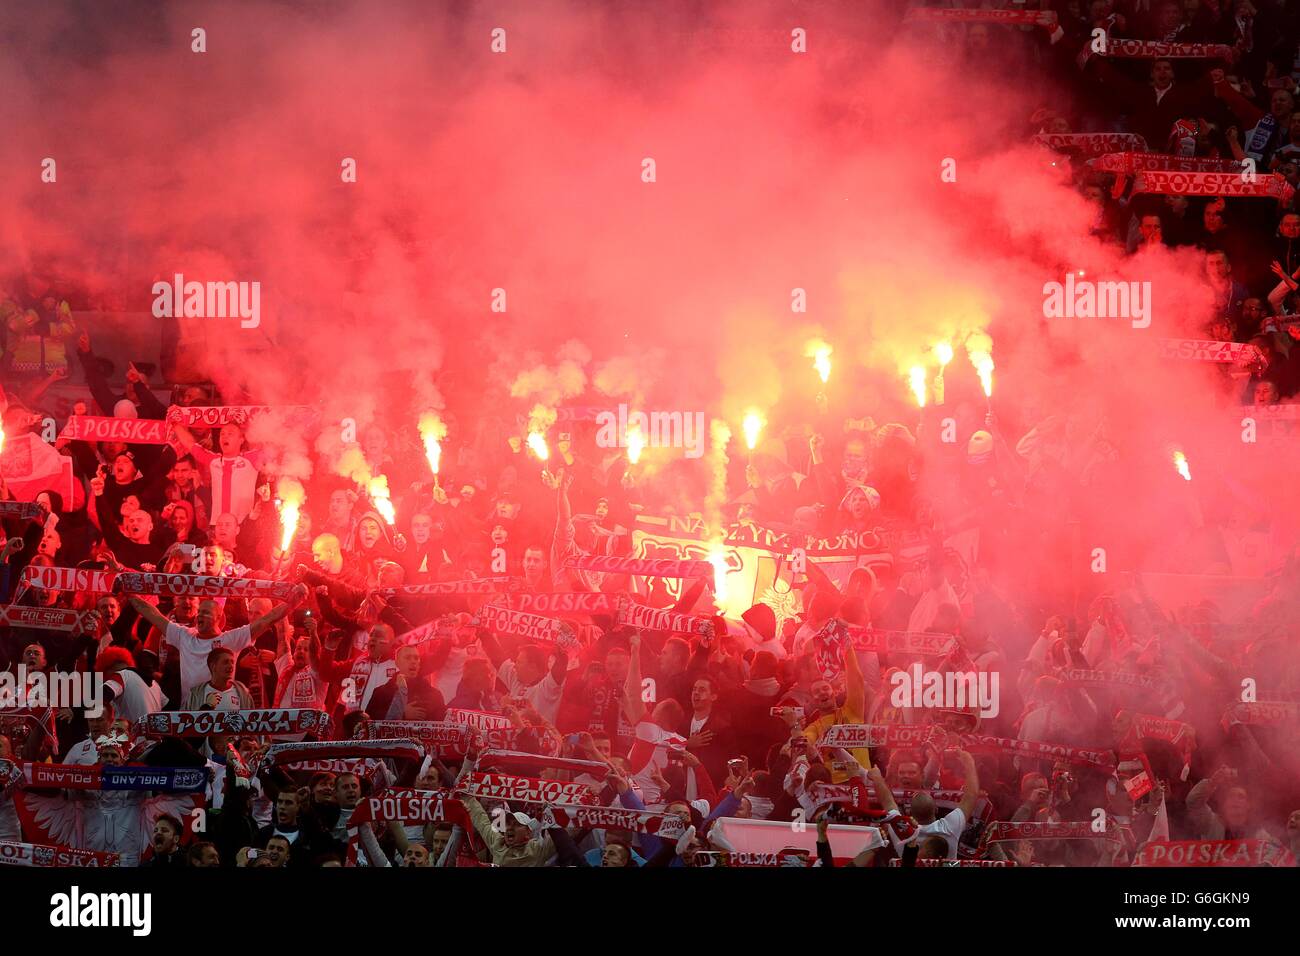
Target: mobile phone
{"x": 252, "y": 854}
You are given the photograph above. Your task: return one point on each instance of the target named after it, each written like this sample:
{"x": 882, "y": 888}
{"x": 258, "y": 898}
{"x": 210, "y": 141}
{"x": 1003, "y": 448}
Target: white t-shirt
{"x": 544, "y": 695}
{"x": 137, "y": 697}
{"x": 195, "y": 650}
{"x": 305, "y": 690}
{"x": 84, "y": 754}
{"x": 649, "y": 753}
{"x": 949, "y": 826}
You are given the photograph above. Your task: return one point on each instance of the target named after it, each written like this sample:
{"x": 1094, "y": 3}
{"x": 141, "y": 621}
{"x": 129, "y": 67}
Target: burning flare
{"x": 1180, "y": 462}
{"x": 378, "y": 489}
{"x": 432, "y": 430}
{"x": 718, "y": 558}
{"x": 916, "y": 378}
{"x": 979, "y": 348}
{"x": 635, "y": 443}
{"x": 943, "y": 352}
{"x": 752, "y": 425}
{"x": 820, "y": 353}
{"x": 291, "y": 495}
{"x": 537, "y": 444}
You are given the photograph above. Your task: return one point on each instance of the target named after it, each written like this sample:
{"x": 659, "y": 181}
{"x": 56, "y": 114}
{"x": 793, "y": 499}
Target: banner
{"x": 1213, "y": 853}
{"x": 202, "y": 585}
{"x": 39, "y": 854}
{"x": 66, "y": 579}
{"x": 205, "y": 723}
{"x": 133, "y": 431}
{"x": 30, "y": 466}
{"x": 498, "y": 786}
{"x": 759, "y": 560}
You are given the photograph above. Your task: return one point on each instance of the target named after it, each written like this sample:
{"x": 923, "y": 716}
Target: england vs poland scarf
{"x": 667, "y": 826}
{"x": 471, "y": 586}
{"x": 499, "y": 786}
{"x": 549, "y": 630}
{"x": 58, "y": 776}
{"x": 651, "y": 567}
{"x": 566, "y": 604}
{"x": 67, "y": 579}
{"x": 638, "y": 615}
{"x": 133, "y": 431}
{"x": 1213, "y": 853}
{"x": 205, "y": 723}
{"x": 1209, "y": 350}
{"x": 49, "y": 618}
{"x": 40, "y": 854}
{"x": 1160, "y": 50}
{"x": 327, "y": 750}
{"x": 1093, "y": 144}
{"x": 1263, "y": 185}
{"x": 23, "y": 510}
{"x": 1260, "y": 713}
{"x": 202, "y": 585}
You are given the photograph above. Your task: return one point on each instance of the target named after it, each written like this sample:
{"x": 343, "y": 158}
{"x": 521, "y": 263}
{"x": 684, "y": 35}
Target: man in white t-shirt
{"x": 220, "y": 691}
{"x": 196, "y": 644}
{"x": 132, "y": 697}
{"x": 655, "y": 735}
{"x": 86, "y": 753}
{"x": 526, "y": 678}
{"x": 951, "y": 824}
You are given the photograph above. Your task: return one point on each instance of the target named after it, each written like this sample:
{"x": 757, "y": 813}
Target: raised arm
{"x": 149, "y": 613}
{"x": 633, "y": 705}
{"x": 970, "y": 784}
{"x": 258, "y": 627}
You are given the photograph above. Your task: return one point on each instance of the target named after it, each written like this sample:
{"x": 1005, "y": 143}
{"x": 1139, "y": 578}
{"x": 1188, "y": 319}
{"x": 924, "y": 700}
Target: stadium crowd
{"x": 490, "y": 673}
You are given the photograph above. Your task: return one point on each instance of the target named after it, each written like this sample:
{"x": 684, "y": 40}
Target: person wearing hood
{"x": 372, "y": 544}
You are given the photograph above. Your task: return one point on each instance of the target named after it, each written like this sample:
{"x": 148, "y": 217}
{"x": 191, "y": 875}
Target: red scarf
{"x": 497, "y": 786}
{"x": 566, "y": 603}
{"x": 405, "y": 805}
{"x": 638, "y": 615}
{"x": 470, "y": 586}
{"x": 202, "y": 585}
{"x": 205, "y": 723}
{"x": 1158, "y": 49}
{"x": 40, "y": 854}
{"x": 1213, "y": 853}
{"x": 549, "y": 630}
{"x": 1260, "y": 713}
{"x": 1265, "y": 185}
{"x": 651, "y": 567}
{"x": 67, "y": 579}
{"x": 1092, "y": 144}
{"x": 134, "y": 431}
{"x": 49, "y": 618}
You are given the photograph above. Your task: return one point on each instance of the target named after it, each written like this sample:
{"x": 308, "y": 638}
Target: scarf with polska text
{"x": 133, "y": 431}
{"x": 1081, "y": 677}
{"x": 1160, "y": 50}
{"x": 499, "y": 786}
{"x": 1092, "y": 144}
{"x": 859, "y": 736}
{"x": 439, "y": 738}
{"x": 1138, "y": 727}
{"x": 1038, "y": 750}
{"x": 791, "y": 856}
{"x": 108, "y": 777}
{"x": 665, "y": 825}
{"x": 494, "y": 585}
{"x": 1129, "y": 162}
{"x": 203, "y": 585}
{"x": 1210, "y": 350}
{"x": 22, "y": 510}
{"x": 1213, "y": 853}
{"x": 1003, "y": 830}
{"x": 214, "y": 416}
{"x": 1262, "y": 185}
{"x": 66, "y": 579}
{"x": 830, "y": 642}
{"x": 548, "y": 630}
{"x": 649, "y": 567}
{"x": 659, "y": 619}
{"x": 1260, "y": 713}
{"x": 205, "y": 723}
{"x": 439, "y": 628}
{"x": 567, "y": 604}
{"x": 280, "y": 754}
{"x": 13, "y": 853}
{"x": 937, "y": 15}
{"x": 63, "y": 619}
{"x": 406, "y": 805}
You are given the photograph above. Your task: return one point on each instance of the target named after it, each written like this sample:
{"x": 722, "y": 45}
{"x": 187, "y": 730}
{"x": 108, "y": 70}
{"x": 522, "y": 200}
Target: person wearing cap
{"x": 510, "y": 836}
